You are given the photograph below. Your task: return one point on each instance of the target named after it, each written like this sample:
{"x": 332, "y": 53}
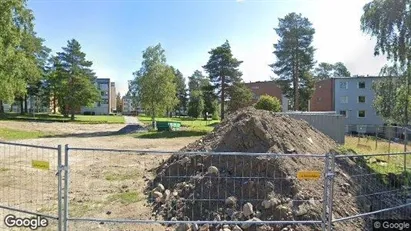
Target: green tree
{"x": 388, "y": 89}
{"x": 328, "y": 70}
{"x": 181, "y": 91}
{"x": 240, "y": 97}
{"x": 119, "y": 106}
{"x": 389, "y": 22}
{"x": 268, "y": 103}
{"x": 222, "y": 68}
{"x": 154, "y": 83}
{"x": 75, "y": 79}
{"x": 18, "y": 49}
{"x": 341, "y": 70}
{"x": 295, "y": 56}
{"x": 324, "y": 71}
{"x": 196, "y": 104}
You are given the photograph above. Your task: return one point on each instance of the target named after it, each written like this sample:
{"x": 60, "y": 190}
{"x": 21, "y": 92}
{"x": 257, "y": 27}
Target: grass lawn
{"x": 11, "y": 134}
{"x": 370, "y": 146}
{"x": 381, "y": 164}
{"x": 190, "y": 127}
{"x": 86, "y": 119}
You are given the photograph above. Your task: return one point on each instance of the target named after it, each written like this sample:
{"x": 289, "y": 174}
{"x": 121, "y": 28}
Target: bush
{"x": 268, "y": 103}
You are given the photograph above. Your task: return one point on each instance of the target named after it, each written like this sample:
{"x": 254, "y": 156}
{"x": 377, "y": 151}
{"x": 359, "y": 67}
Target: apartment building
{"x": 354, "y": 97}
{"x": 267, "y": 88}
{"x": 323, "y": 96}
{"x": 103, "y": 107}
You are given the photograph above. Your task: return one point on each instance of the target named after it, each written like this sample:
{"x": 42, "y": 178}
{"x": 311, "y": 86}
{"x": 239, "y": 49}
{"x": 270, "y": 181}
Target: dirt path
{"x": 131, "y": 120}
{"x": 102, "y": 184}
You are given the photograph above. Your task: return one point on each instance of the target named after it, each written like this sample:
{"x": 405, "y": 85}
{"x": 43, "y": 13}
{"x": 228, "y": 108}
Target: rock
{"x": 302, "y": 210}
{"x": 258, "y": 214}
{"x": 275, "y": 201}
{"x": 124, "y": 186}
{"x": 160, "y": 188}
{"x": 166, "y": 195}
{"x": 231, "y": 201}
{"x": 158, "y": 196}
{"x": 284, "y": 229}
{"x": 248, "y": 209}
{"x": 217, "y": 217}
{"x": 246, "y": 226}
{"x": 175, "y": 193}
{"x": 183, "y": 227}
{"x": 212, "y": 170}
{"x": 108, "y": 212}
{"x": 237, "y": 228}
{"x": 229, "y": 212}
{"x": 205, "y": 227}
{"x": 266, "y": 204}
{"x": 264, "y": 228}
{"x": 194, "y": 227}
{"x": 226, "y": 228}
{"x": 283, "y": 209}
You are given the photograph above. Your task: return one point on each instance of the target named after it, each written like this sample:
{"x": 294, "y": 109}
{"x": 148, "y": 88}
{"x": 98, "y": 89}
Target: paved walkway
{"x": 131, "y": 120}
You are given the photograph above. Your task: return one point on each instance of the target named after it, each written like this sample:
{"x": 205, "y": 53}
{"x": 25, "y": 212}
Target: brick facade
{"x": 262, "y": 88}
{"x": 323, "y": 97}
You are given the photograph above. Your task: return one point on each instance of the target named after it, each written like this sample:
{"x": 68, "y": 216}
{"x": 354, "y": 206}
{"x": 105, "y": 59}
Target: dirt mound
{"x": 243, "y": 187}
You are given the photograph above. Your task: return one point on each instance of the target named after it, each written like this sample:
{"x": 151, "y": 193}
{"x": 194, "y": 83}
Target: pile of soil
{"x": 246, "y": 187}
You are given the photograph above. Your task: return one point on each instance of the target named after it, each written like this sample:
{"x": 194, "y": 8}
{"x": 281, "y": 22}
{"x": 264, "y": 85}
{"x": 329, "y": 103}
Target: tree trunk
{"x": 1, "y": 107}
{"x": 222, "y": 96}
{"x": 25, "y": 104}
{"x": 21, "y": 106}
{"x": 54, "y": 104}
{"x": 407, "y": 82}
{"x": 72, "y": 113}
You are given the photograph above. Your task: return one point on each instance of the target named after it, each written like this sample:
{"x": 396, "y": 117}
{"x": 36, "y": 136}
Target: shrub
{"x": 268, "y": 103}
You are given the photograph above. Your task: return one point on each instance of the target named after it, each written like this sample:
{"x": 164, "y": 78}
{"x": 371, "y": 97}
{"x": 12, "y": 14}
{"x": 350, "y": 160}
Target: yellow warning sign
{"x": 308, "y": 175}
{"x": 39, "y": 164}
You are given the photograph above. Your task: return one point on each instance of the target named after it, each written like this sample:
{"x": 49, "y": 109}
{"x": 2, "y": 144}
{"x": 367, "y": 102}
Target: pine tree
{"x": 223, "y": 70}
{"x": 295, "y": 57}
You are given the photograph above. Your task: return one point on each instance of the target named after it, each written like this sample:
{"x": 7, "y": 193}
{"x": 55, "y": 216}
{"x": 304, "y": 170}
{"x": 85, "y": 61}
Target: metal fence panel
{"x": 378, "y": 184}
{"x": 118, "y": 189}
{"x": 28, "y": 181}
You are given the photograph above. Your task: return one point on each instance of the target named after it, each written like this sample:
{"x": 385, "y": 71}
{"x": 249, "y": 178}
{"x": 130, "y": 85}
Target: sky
{"x": 114, "y": 33}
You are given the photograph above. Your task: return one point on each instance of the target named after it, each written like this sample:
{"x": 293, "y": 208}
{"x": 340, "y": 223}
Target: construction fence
{"x": 78, "y": 188}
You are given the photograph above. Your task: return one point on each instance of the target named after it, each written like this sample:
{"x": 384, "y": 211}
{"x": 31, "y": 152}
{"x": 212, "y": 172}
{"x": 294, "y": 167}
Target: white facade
{"x": 103, "y": 106}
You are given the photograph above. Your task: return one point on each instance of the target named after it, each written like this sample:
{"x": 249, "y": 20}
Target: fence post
{"x": 376, "y": 137}
{"x": 59, "y": 197}
{"x": 405, "y": 150}
{"x": 66, "y": 184}
{"x": 328, "y": 192}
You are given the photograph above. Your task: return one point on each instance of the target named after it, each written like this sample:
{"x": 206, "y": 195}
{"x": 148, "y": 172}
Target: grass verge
{"x": 12, "y": 134}
{"x": 84, "y": 119}
{"x": 126, "y": 197}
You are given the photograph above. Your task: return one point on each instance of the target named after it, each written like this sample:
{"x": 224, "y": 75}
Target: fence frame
{"x": 326, "y": 222}
{"x": 58, "y": 149}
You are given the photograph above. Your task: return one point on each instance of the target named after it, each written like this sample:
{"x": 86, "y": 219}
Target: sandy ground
{"x": 102, "y": 184}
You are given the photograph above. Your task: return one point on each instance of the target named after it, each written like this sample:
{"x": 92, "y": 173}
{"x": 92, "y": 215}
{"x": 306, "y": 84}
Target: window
{"x": 361, "y": 99}
{"x": 344, "y": 99}
{"x": 344, "y": 85}
{"x": 361, "y": 84}
{"x": 361, "y": 114}
{"x": 344, "y": 113}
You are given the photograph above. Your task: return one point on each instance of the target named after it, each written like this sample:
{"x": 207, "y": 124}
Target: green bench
{"x": 168, "y": 126}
